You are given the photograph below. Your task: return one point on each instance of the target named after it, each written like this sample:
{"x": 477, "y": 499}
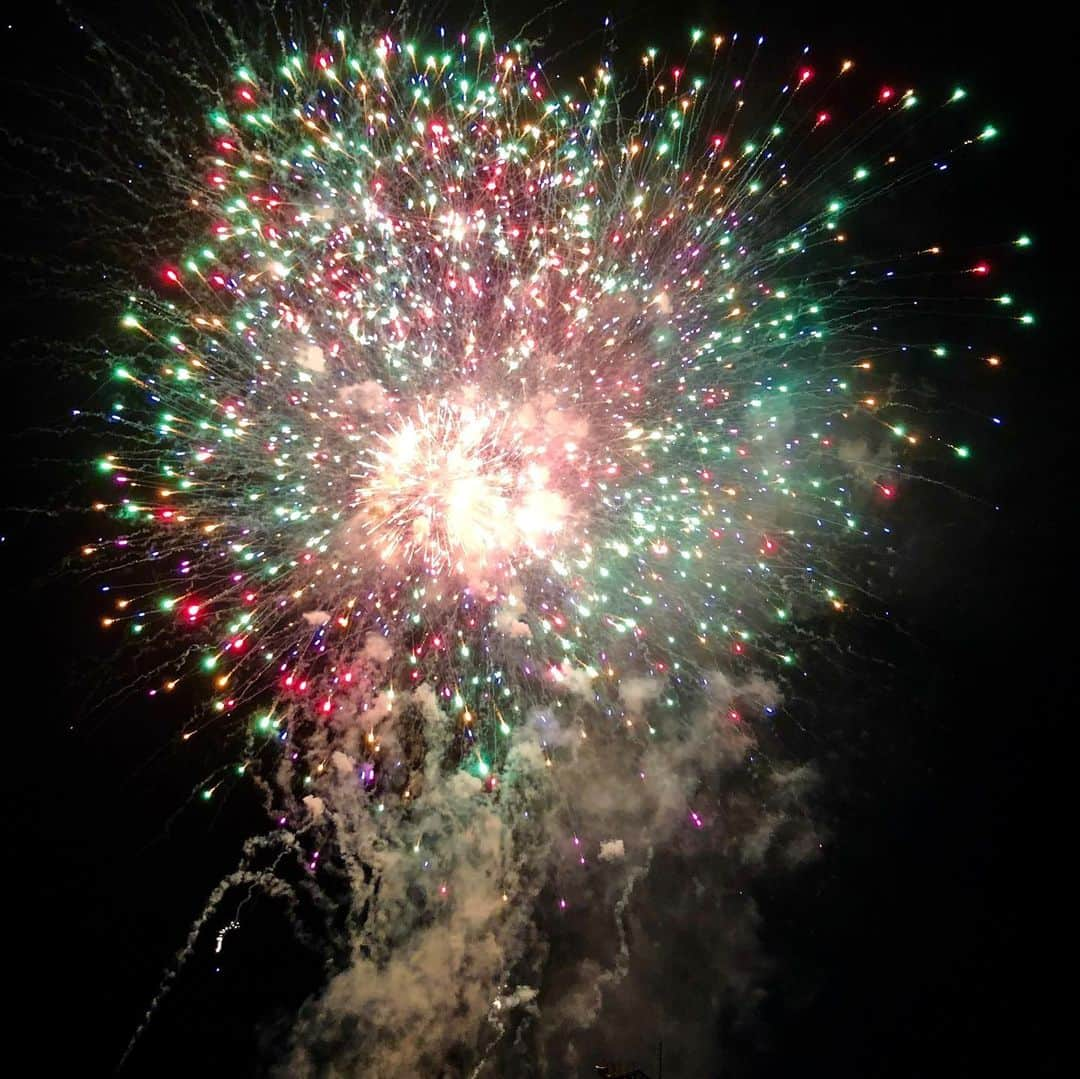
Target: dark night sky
{"x": 929, "y": 939}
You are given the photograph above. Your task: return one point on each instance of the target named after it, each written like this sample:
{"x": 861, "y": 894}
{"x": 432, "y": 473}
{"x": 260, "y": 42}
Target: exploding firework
{"x": 491, "y": 434}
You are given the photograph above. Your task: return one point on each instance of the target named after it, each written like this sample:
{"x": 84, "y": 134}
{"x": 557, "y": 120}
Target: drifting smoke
{"x": 449, "y": 977}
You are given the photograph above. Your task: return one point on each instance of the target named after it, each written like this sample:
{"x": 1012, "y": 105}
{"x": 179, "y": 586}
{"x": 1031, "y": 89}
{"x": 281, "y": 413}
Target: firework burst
{"x": 483, "y": 416}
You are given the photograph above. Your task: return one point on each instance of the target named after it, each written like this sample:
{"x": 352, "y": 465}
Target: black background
{"x": 930, "y": 939}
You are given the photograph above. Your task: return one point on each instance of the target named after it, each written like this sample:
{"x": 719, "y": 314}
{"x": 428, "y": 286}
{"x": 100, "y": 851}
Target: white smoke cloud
{"x": 367, "y": 396}
{"x": 430, "y": 961}
{"x": 508, "y": 623}
{"x": 575, "y": 680}
{"x": 636, "y": 693}
{"x": 343, "y": 763}
{"x": 460, "y": 966}
{"x": 612, "y": 850}
{"x": 377, "y": 649}
{"x": 311, "y": 358}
